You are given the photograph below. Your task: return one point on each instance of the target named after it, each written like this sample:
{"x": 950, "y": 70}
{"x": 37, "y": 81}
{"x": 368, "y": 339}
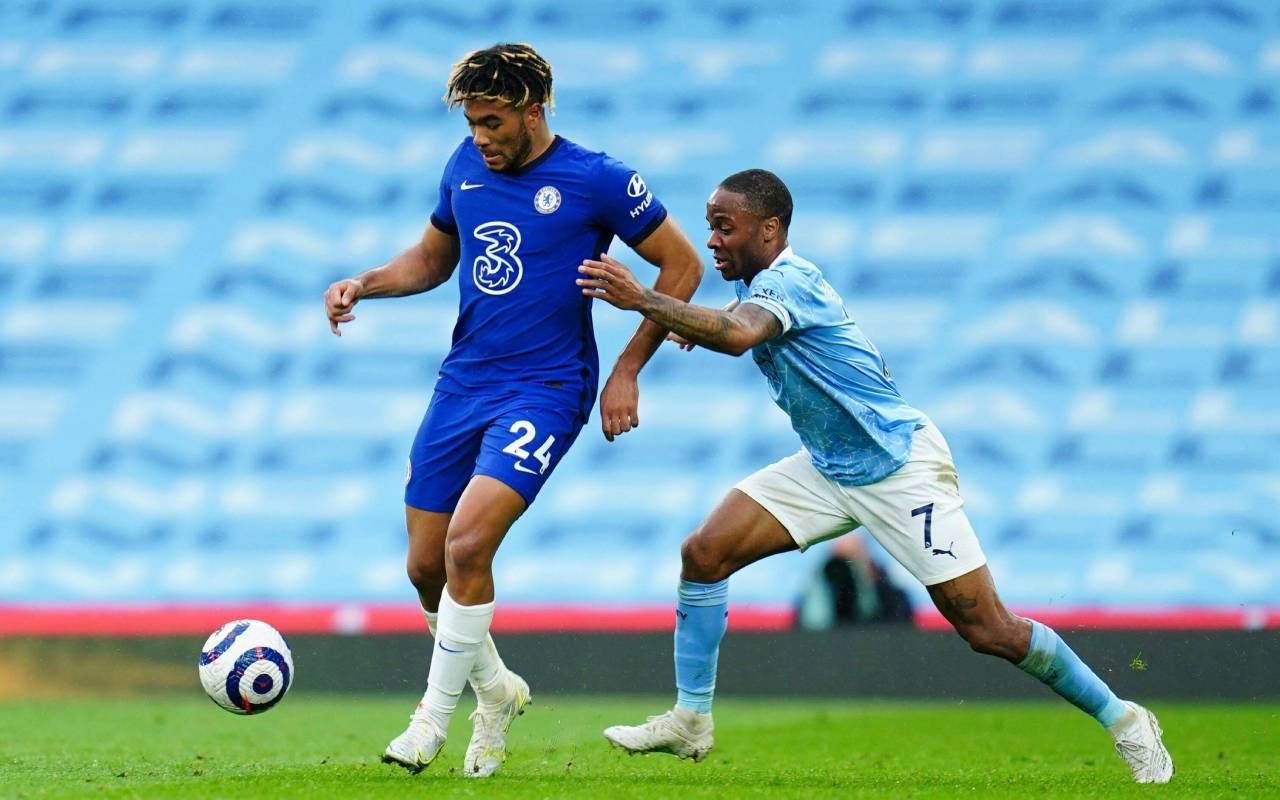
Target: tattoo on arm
{"x": 708, "y": 327}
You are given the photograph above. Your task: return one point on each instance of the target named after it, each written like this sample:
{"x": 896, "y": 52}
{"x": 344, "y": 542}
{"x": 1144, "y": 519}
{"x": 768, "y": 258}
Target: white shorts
{"x": 916, "y": 513}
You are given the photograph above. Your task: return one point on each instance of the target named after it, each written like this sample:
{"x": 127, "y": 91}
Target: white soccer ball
{"x": 245, "y": 666}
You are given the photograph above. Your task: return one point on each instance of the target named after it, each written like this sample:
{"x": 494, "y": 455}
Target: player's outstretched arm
{"x": 679, "y": 273}
{"x": 421, "y": 267}
{"x": 685, "y": 344}
{"x": 733, "y": 332}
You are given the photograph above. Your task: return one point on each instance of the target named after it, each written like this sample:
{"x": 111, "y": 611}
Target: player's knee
{"x": 990, "y": 639}
{"x": 700, "y": 562}
{"x": 426, "y": 574}
{"x": 468, "y": 552}
{"x": 979, "y": 638}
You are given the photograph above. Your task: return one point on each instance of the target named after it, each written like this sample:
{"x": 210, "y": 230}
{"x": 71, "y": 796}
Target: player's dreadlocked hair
{"x": 512, "y": 73}
{"x": 765, "y": 193}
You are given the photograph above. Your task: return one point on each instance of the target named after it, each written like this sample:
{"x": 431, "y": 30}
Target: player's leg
{"x": 521, "y": 449}
{"x": 738, "y": 532}
{"x": 780, "y": 508}
{"x": 441, "y": 462}
{"x": 917, "y": 514}
{"x": 970, "y": 603}
{"x": 425, "y": 559}
{"x": 485, "y": 512}
{"x": 426, "y": 567}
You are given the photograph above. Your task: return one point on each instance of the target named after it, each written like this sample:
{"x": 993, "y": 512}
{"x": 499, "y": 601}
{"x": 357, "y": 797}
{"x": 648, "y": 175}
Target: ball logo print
{"x": 498, "y": 270}
{"x": 547, "y": 200}
{"x": 636, "y": 186}
{"x": 245, "y": 666}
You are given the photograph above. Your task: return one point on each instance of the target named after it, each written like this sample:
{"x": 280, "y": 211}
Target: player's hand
{"x": 610, "y": 280}
{"x": 619, "y": 402}
{"x": 680, "y": 341}
{"x": 339, "y": 299}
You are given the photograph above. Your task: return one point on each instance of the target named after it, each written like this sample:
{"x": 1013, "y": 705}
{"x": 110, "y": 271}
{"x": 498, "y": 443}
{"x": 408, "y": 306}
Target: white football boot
{"x": 1141, "y": 747}
{"x": 416, "y": 747}
{"x": 488, "y": 747}
{"x": 682, "y": 733}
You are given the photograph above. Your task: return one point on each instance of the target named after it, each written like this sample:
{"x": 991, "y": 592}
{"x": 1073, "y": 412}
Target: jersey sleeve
{"x": 771, "y": 291}
{"x": 442, "y": 215}
{"x": 624, "y": 204}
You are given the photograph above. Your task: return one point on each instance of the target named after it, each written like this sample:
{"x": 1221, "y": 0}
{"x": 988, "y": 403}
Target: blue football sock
{"x": 1051, "y": 661}
{"x": 701, "y": 616}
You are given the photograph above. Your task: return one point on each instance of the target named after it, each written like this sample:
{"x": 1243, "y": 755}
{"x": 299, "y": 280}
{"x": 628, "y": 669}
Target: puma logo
{"x": 938, "y": 551}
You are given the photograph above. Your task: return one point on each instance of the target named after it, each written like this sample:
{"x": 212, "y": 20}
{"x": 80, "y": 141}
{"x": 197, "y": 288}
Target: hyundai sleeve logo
{"x": 635, "y": 186}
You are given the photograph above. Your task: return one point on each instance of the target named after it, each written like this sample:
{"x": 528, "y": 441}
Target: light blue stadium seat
{"x": 1159, "y": 368}
{"x": 1056, "y": 221}
{"x": 1115, "y": 452}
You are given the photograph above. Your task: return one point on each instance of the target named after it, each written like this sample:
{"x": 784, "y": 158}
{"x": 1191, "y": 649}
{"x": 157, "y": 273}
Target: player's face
{"x": 736, "y": 240}
{"x": 502, "y": 133}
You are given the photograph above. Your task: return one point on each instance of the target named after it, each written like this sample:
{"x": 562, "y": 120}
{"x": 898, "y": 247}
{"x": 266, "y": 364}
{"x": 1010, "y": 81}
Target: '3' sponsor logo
{"x": 498, "y": 270}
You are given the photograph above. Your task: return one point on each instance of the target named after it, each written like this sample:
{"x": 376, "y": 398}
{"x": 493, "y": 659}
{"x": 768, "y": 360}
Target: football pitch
{"x": 327, "y": 746}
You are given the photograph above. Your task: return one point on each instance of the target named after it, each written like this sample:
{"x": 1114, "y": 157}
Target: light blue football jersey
{"x": 828, "y": 376}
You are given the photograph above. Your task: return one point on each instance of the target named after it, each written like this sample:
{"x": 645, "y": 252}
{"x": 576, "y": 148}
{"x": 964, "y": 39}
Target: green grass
{"x": 325, "y": 746}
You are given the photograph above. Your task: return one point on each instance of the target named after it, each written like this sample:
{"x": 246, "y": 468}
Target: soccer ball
{"x": 245, "y": 666}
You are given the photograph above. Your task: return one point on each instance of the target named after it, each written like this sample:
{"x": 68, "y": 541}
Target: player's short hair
{"x": 512, "y": 73}
{"x": 766, "y": 194}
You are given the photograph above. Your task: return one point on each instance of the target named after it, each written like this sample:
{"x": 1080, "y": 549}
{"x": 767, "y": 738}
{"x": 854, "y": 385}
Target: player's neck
{"x": 775, "y": 251}
{"x": 768, "y": 257}
{"x": 542, "y": 139}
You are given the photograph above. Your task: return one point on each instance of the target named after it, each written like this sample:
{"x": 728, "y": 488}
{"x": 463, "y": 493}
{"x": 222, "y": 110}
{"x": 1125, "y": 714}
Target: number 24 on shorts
{"x": 526, "y": 433}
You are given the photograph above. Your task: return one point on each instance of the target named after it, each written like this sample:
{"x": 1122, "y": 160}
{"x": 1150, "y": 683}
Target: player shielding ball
{"x": 519, "y": 209}
{"x": 868, "y": 459}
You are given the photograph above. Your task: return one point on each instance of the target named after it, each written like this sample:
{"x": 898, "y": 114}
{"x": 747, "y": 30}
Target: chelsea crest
{"x": 547, "y": 200}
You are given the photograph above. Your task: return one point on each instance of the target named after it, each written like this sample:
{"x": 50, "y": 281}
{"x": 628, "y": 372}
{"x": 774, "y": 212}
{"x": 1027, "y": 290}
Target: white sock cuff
{"x": 463, "y": 624}
{"x": 432, "y": 620}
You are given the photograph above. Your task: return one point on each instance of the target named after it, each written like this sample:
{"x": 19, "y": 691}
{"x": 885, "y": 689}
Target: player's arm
{"x": 685, "y": 344}
{"x": 421, "y": 267}
{"x": 679, "y": 273}
{"x": 733, "y": 332}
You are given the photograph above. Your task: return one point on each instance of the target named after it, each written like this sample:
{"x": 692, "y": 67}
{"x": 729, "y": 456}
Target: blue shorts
{"x": 516, "y": 437}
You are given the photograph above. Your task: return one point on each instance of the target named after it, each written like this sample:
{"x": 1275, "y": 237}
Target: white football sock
{"x": 488, "y": 676}
{"x": 460, "y": 635}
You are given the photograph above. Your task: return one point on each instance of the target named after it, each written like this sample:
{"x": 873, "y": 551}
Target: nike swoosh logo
{"x": 523, "y": 468}
{"x": 447, "y": 649}
{"x": 465, "y": 186}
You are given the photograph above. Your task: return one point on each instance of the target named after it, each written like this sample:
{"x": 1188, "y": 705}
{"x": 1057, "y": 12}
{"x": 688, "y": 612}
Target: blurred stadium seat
{"x": 1056, "y": 220}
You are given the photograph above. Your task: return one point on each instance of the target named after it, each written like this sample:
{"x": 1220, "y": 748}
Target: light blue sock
{"x": 1051, "y": 661}
{"x": 701, "y": 616}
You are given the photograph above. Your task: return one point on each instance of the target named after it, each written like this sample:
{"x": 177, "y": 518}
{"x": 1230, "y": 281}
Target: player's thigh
{"x": 444, "y": 452}
{"x": 524, "y": 443}
{"x": 737, "y": 532}
{"x": 917, "y": 513}
{"x": 804, "y": 502}
{"x": 487, "y": 509}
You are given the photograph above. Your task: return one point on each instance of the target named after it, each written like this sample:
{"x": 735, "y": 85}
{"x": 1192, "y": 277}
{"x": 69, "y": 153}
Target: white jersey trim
{"x": 778, "y": 311}
{"x": 774, "y": 308}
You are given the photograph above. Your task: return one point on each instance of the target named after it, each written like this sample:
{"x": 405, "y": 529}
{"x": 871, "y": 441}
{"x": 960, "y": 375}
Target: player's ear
{"x": 769, "y": 228}
{"x": 533, "y": 113}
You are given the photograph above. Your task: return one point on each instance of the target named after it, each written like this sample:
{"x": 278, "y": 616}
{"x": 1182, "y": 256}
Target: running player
{"x": 519, "y": 208}
{"x": 868, "y": 459}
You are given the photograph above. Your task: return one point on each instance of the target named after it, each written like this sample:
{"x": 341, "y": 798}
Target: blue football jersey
{"x": 828, "y": 377}
{"x": 522, "y": 319}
